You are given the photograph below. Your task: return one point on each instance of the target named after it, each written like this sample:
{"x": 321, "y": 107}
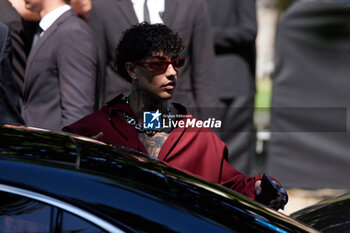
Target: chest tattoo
{"x": 153, "y": 144}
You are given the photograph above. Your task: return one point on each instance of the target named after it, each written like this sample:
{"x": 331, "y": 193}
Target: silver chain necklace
{"x": 131, "y": 121}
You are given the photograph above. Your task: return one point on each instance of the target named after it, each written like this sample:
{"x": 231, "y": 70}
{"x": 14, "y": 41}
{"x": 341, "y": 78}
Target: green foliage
{"x": 263, "y": 93}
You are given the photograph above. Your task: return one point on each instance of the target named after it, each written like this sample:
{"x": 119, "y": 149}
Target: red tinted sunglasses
{"x": 161, "y": 65}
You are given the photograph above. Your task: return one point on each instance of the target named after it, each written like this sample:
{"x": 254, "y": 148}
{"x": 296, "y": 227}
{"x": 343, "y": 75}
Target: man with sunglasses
{"x": 189, "y": 18}
{"x": 148, "y": 58}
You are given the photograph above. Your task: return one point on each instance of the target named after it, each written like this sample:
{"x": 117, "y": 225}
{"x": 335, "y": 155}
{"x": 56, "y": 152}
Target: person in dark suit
{"x": 196, "y": 88}
{"x": 9, "y": 104}
{"x": 23, "y": 24}
{"x": 22, "y": 32}
{"x": 234, "y": 31}
{"x": 310, "y": 123}
{"x": 61, "y": 68}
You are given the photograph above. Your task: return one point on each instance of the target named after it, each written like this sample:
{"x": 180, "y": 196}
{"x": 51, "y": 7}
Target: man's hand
{"x": 277, "y": 202}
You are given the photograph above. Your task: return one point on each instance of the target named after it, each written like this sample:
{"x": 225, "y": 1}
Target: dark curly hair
{"x": 139, "y": 41}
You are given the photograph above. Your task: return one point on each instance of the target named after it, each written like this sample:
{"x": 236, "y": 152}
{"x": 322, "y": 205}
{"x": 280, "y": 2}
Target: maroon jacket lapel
{"x": 170, "y": 143}
{"x": 174, "y": 137}
{"x": 128, "y": 132}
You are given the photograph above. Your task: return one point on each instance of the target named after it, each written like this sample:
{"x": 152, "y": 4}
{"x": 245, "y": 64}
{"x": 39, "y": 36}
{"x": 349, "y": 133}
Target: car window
{"x": 23, "y": 215}
{"x": 72, "y": 223}
{"x": 20, "y": 214}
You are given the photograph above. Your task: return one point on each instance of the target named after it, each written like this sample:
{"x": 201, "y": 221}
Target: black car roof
{"x": 127, "y": 187}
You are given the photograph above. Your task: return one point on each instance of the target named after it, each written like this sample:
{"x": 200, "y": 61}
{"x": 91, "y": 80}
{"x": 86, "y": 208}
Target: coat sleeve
{"x": 202, "y": 49}
{"x": 9, "y": 101}
{"x": 243, "y": 33}
{"x": 233, "y": 179}
{"x": 88, "y": 126}
{"x": 98, "y": 24}
{"x": 77, "y": 62}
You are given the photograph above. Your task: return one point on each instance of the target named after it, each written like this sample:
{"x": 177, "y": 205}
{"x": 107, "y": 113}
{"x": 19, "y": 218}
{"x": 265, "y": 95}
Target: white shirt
{"x": 52, "y": 16}
{"x": 155, "y": 8}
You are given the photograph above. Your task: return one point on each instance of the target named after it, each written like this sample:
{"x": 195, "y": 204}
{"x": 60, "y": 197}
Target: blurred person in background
{"x": 234, "y": 27}
{"x": 61, "y": 69}
{"x": 109, "y": 18}
{"x": 310, "y": 134}
{"x": 9, "y": 102}
{"x": 23, "y": 24}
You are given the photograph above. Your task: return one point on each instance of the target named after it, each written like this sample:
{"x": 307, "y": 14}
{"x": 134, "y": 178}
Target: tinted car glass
{"x": 20, "y": 214}
{"x": 72, "y": 223}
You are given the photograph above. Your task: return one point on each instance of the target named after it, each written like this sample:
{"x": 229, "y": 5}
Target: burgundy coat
{"x": 196, "y": 151}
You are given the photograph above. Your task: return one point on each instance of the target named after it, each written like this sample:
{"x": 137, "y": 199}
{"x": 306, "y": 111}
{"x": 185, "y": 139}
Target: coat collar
{"x": 48, "y": 33}
{"x": 117, "y": 105}
{"x": 115, "y": 108}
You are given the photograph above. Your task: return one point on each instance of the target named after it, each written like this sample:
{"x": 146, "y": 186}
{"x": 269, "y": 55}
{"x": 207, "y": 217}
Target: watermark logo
{"x": 157, "y": 120}
{"x": 300, "y": 119}
{"x": 151, "y": 120}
